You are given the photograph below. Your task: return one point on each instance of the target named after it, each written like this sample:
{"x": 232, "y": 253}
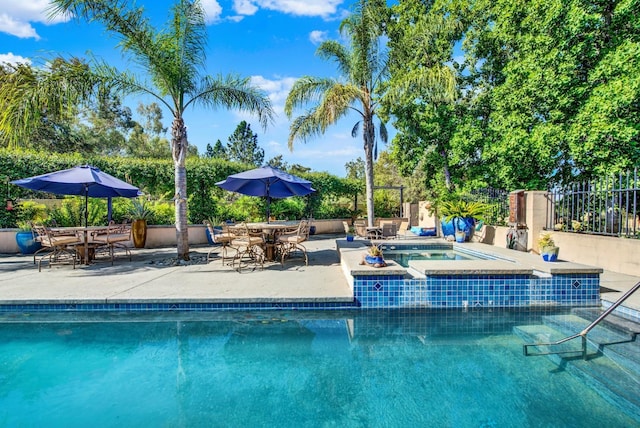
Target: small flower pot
{"x": 373, "y": 260}
{"x": 349, "y": 238}
{"x": 550, "y": 254}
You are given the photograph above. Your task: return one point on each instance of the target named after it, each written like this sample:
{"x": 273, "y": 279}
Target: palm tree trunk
{"x": 179, "y": 146}
{"x": 368, "y": 135}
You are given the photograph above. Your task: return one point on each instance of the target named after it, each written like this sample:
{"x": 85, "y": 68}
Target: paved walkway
{"x": 149, "y": 278}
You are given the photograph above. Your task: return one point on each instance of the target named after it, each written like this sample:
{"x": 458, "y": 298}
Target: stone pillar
{"x": 536, "y": 216}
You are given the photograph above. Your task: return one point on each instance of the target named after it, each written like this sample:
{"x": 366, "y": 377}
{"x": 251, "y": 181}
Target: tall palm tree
{"x": 173, "y": 60}
{"x": 363, "y": 72}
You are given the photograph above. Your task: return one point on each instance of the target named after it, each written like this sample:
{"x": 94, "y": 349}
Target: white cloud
{"x": 13, "y": 59}
{"x": 17, "y": 16}
{"x": 323, "y": 8}
{"x": 244, "y": 7}
{"x": 277, "y": 91}
{"x": 316, "y": 36}
{"x": 212, "y": 10}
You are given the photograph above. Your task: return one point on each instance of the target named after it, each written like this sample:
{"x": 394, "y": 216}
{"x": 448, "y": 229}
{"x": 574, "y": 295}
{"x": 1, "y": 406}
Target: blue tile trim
{"x": 460, "y": 291}
{"x": 169, "y": 307}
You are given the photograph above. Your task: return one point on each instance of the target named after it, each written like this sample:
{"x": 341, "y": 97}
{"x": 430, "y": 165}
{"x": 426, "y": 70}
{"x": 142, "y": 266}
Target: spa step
{"x": 620, "y": 346}
{"x": 613, "y": 382}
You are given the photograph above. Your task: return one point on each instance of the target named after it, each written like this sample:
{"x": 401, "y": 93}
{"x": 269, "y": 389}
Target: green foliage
{"x": 155, "y": 177}
{"x": 460, "y": 208}
{"x": 545, "y": 240}
{"x": 28, "y": 212}
{"x": 243, "y": 146}
{"x": 547, "y": 90}
{"x": 139, "y": 210}
{"x": 69, "y": 212}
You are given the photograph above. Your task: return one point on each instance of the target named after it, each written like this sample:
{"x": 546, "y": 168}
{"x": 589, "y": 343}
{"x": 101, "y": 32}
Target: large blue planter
{"x": 466, "y": 224}
{"x": 26, "y": 243}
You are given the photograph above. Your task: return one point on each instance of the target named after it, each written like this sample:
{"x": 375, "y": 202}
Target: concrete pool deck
{"x": 149, "y": 279}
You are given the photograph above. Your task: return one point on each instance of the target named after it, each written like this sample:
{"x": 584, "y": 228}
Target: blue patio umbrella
{"x": 267, "y": 182}
{"x": 86, "y": 180}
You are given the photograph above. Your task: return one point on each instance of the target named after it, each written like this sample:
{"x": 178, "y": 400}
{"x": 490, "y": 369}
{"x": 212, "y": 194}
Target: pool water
{"x": 294, "y": 369}
{"x": 402, "y": 257}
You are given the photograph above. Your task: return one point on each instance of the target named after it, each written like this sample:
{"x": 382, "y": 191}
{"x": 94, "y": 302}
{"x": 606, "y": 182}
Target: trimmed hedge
{"x": 155, "y": 177}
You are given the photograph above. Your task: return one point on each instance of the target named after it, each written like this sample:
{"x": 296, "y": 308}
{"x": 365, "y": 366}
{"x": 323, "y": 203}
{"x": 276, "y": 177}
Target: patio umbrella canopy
{"x": 82, "y": 180}
{"x": 268, "y": 182}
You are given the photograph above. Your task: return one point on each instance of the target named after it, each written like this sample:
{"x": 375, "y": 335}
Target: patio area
{"x": 152, "y": 277}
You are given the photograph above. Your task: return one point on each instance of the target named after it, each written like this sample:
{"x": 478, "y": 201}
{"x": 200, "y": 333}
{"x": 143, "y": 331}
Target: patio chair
{"x": 112, "y": 237}
{"x": 402, "y": 230}
{"x": 222, "y": 236}
{"x": 291, "y": 241}
{"x": 57, "y": 246}
{"x": 249, "y": 246}
{"x": 388, "y": 229}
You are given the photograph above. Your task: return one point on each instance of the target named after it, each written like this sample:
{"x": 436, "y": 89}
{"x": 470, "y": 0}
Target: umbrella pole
{"x": 86, "y": 224}
{"x": 268, "y": 209}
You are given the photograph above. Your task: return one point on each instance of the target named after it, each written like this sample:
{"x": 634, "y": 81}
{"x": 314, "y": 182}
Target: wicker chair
{"x": 289, "y": 242}
{"x": 249, "y": 245}
{"x": 112, "y": 237}
{"x": 222, "y": 236}
{"x": 57, "y": 246}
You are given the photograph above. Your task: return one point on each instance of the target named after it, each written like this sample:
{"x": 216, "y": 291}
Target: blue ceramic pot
{"x": 26, "y": 243}
{"x": 349, "y": 238}
{"x": 466, "y": 224}
{"x": 372, "y": 260}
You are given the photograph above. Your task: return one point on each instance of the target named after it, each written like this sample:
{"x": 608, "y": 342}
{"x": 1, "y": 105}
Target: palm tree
{"x": 173, "y": 60}
{"x": 363, "y": 70}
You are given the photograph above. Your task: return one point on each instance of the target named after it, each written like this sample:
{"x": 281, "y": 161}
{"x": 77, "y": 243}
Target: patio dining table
{"x": 270, "y": 232}
{"x": 88, "y": 246}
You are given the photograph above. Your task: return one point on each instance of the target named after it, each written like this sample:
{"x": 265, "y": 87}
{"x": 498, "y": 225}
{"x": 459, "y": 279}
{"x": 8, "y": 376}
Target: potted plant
{"x": 373, "y": 257}
{"x": 459, "y": 217}
{"x": 351, "y": 232}
{"x": 139, "y": 214}
{"x": 548, "y": 248}
{"x": 28, "y": 213}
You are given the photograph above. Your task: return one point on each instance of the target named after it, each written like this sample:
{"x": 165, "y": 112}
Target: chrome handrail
{"x": 583, "y": 333}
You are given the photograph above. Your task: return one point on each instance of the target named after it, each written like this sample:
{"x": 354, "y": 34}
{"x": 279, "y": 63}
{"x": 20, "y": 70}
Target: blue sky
{"x": 271, "y": 41}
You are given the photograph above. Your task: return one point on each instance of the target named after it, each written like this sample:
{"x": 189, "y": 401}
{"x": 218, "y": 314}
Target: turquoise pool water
{"x": 402, "y": 257}
{"x": 305, "y": 369}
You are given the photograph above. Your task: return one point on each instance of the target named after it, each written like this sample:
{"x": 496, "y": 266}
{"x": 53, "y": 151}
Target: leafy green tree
{"x": 355, "y": 169}
{"x": 217, "y": 151}
{"x": 421, "y": 40}
{"x": 172, "y": 58}
{"x": 278, "y": 162}
{"x": 51, "y": 129}
{"x": 363, "y": 71}
{"x": 105, "y": 124}
{"x": 147, "y": 140}
{"x": 243, "y": 146}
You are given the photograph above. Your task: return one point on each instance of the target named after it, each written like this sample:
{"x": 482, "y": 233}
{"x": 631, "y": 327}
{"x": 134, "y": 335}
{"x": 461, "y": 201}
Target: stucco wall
{"x": 165, "y": 236}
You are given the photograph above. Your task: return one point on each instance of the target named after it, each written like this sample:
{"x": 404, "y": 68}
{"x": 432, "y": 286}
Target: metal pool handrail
{"x": 583, "y": 333}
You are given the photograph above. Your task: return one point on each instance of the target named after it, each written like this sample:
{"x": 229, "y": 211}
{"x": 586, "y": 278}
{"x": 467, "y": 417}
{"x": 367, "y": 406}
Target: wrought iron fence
{"x": 607, "y": 206}
{"x": 498, "y": 201}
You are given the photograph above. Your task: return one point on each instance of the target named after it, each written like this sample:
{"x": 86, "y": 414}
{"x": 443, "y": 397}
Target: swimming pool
{"x": 287, "y": 369}
{"x": 403, "y": 257}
